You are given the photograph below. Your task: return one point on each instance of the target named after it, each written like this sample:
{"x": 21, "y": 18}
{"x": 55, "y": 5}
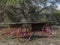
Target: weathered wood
{"x": 37, "y": 26}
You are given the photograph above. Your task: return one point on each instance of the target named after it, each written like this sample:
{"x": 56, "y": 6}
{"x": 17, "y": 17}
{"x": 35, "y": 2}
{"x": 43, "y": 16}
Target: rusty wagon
{"x": 38, "y": 22}
{"x": 30, "y": 30}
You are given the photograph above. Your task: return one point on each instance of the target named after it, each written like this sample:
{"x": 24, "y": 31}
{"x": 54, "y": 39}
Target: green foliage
{"x": 10, "y": 2}
{"x": 3, "y": 2}
{"x": 18, "y": 10}
{"x": 43, "y": 0}
{"x": 57, "y": 15}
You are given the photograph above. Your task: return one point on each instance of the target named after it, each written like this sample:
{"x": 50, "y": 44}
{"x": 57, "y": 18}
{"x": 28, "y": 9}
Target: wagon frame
{"x": 36, "y": 27}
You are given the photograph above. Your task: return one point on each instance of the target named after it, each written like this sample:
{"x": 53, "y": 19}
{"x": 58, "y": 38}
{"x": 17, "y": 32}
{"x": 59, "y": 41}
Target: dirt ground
{"x": 35, "y": 40}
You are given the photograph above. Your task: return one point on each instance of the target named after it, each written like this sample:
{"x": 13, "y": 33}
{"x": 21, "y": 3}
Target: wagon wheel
{"x": 23, "y": 36}
{"x": 51, "y": 32}
{"x": 5, "y": 35}
{"x": 48, "y": 30}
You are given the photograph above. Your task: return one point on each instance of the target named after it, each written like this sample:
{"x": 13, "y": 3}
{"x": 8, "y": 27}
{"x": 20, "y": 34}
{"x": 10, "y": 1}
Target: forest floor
{"x": 35, "y": 40}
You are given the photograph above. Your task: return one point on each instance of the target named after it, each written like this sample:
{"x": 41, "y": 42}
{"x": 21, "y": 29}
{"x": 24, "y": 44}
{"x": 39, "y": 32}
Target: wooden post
{"x": 51, "y": 29}
{"x": 43, "y": 31}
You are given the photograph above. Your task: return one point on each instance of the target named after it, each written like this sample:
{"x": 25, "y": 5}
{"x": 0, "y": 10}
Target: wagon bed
{"x": 35, "y": 27}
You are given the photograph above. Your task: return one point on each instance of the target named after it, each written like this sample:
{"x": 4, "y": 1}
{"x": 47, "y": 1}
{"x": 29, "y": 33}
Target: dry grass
{"x": 35, "y": 40}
